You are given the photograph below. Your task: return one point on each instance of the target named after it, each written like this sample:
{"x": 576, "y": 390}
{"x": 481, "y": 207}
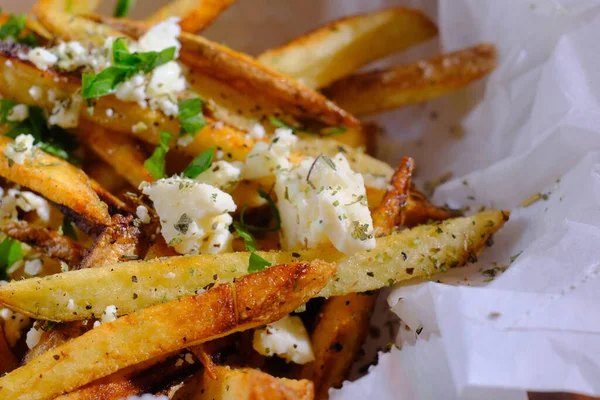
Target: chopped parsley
{"x": 255, "y": 263}
{"x": 51, "y": 139}
{"x": 156, "y": 163}
{"x": 125, "y": 65}
{"x": 199, "y": 164}
{"x": 122, "y": 8}
{"x": 280, "y": 124}
{"x": 274, "y": 213}
{"x": 338, "y": 130}
{"x": 6, "y": 105}
{"x": 191, "y": 117}
{"x": 13, "y": 29}
{"x": 10, "y": 253}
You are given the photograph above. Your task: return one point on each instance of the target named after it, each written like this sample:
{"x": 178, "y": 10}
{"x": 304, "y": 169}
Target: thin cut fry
{"x": 50, "y": 242}
{"x": 343, "y": 46}
{"x": 135, "y": 285}
{"x": 243, "y": 73}
{"x": 248, "y": 384}
{"x": 420, "y": 211}
{"x": 56, "y": 180}
{"x": 122, "y": 152}
{"x": 8, "y": 362}
{"x": 252, "y": 300}
{"x": 195, "y": 15}
{"x": 375, "y": 91}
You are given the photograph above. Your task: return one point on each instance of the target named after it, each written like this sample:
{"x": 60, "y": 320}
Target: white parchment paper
{"x": 533, "y": 126}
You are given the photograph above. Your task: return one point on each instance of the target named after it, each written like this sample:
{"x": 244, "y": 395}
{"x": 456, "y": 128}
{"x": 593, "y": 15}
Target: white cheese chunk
{"x": 33, "y": 267}
{"x": 143, "y": 214}
{"x": 66, "y": 112}
{"x": 35, "y": 92}
{"x": 268, "y": 158}
{"x": 222, "y": 174}
{"x": 194, "y": 216}
{"x": 323, "y": 201}
{"x": 133, "y": 90}
{"x": 20, "y": 150}
{"x": 42, "y": 58}
{"x": 33, "y": 337}
{"x": 257, "y": 132}
{"x": 109, "y": 315}
{"x": 18, "y": 113}
{"x": 13, "y": 324}
{"x": 286, "y": 338}
{"x": 167, "y": 78}
{"x": 161, "y": 36}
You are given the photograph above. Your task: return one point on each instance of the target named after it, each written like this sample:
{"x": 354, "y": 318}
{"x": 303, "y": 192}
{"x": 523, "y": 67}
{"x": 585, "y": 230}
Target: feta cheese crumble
{"x": 322, "y": 200}
{"x": 222, "y": 174}
{"x": 257, "y": 132}
{"x": 42, "y": 58}
{"x": 286, "y": 338}
{"x": 268, "y": 158}
{"x": 33, "y": 337}
{"x": 143, "y": 214}
{"x": 162, "y": 36}
{"x": 194, "y": 216}
{"x": 26, "y": 201}
{"x": 18, "y": 113}
{"x": 20, "y": 150}
{"x": 35, "y": 92}
{"x": 109, "y": 315}
{"x": 33, "y": 267}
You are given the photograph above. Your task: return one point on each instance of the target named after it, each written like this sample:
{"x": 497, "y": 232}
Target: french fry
{"x": 8, "y": 361}
{"x": 246, "y": 75}
{"x": 343, "y": 46}
{"x": 56, "y": 180}
{"x": 122, "y": 152}
{"x": 251, "y": 301}
{"x": 246, "y": 383}
{"x": 50, "y": 242}
{"x": 71, "y": 6}
{"x": 420, "y": 211}
{"x": 135, "y": 285}
{"x": 52, "y": 338}
{"x": 343, "y": 321}
{"x": 119, "y": 241}
{"x": 195, "y": 15}
{"x": 375, "y": 91}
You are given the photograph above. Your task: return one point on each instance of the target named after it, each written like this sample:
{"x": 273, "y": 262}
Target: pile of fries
{"x": 106, "y": 298}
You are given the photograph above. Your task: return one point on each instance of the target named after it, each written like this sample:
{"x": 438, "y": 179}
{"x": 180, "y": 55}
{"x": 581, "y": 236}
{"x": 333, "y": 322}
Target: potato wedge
{"x": 396, "y": 258}
{"x": 56, "y": 180}
{"x": 122, "y": 152}
{"x": 375, "y": 91}
{"x": 195, "y": 15}
{"x": 246, "y": 75}
{"x": 250, "y": 301}
{"x": 343, "y": 46}
{"x": 8, "y": 361}
{"x": 247, "y": 383}
{"x": 50, "y": 242}
{"x": 341, "y": 329}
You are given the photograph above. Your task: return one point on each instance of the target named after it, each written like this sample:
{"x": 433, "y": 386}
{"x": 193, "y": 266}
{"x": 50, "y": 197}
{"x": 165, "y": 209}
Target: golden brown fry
{"x": 50, "y": 242}
{"x": 420, "y": 211}
{"x": 245, "y": 383}
{"x": 115, "y": 205}
{"x": 8, "y": 361}
{"x": 251, "y": 301}
{"x": 70, "y": 6}
{"x": 201, "y": 353}
{"x": 59, "y": 334}
{"x": 56, "y": 180}
{"x": 343, "y": 321}
{"x": 244, "y": 74}
{"x": 396, "y": 257}
{"x": 122, "y": 152}
{"x": 195, "y": 15}
{"x": 343, "y": 46}
{"x": 375, "y": 91}
{"x": 120, "y": 241}
{"x": 389, "y": 211}
{"x": 341, "y": 329}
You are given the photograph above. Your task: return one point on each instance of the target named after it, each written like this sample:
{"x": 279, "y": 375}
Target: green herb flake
{"x": 156, "y": 163}
{"x": 338, "y": 130}
{"x": 329, "y": 162}
{"x": 123, "y": 7}
{"x": 191, "y": 117}
{"x": 14, "y": 27}
{"x": 199, "y": 164}
{"x": 257, "y": 263}
{"x": 279, "y": 123}
{"x": 247, "y": 236}
{"x": 10, "y": 253}
{"x": 68, "y": 229}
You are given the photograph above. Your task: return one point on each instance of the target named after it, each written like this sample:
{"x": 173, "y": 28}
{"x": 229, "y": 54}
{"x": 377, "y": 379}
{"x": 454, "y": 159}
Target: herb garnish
{"x": 156, "y": 163}
{"x": 68, "y": 229}
{"x": 199, "y": 164}
{"x": 255, "y": 263}
{"x": 13, "y": 28}
{"x": 10, "y": 253}
{"x": 191, "y": 117}
{"x": 122, "y": 8}
{"x": 125, "y": 65}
